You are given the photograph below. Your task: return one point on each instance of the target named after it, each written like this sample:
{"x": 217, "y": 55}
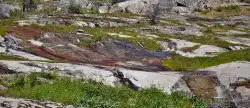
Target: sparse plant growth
{"x": 29, "y": 5}
{"x": 83, "y": 93}
{"x": 74, "y": 9}
{"x": 190, "y": 64}
{"x": 5, "y": 57}
{"x": 225, "y": 11}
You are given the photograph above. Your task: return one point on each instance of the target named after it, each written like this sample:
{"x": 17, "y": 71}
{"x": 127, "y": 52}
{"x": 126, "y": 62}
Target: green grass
{"x": 207, "y": 40}
{"x": 90, "y": 94}
{"x": 4, "y": 57}
{"x": 171, "y": 22}
{"x": 189, "y": 64}
{"x": 3, "y": 30}
{"x": 55, "y": 28}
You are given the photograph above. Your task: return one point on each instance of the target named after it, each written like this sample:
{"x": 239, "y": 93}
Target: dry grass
{"x": 225, "y": 11}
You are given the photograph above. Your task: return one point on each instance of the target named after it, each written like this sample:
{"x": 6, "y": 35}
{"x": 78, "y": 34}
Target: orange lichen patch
{"x": 26, "y": 33}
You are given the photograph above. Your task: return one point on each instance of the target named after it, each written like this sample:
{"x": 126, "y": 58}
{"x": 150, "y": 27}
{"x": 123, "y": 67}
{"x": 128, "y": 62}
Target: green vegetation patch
{"x": 90, "y": 94}
{"x": 225, "y": 11}
{"x": 55, "y": 28}
{"x": 5, "y": 57}
{"x": 188, "y": 64}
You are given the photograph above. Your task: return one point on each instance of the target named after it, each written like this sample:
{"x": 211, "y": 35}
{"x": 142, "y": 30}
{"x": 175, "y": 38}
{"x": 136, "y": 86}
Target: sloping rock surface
{"x": 23, "y": 103}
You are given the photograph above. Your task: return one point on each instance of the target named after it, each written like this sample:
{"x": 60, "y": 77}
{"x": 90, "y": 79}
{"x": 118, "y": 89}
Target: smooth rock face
{"x": 204, "y": 49}
{"x": 232, "y": 73}
{"x": 233, "y": 32}
{"x": 64, "y": 4}
{"x": 236, "y": 40}
{"x": 142, "y": 79}
{"x": 183, "y": 30}
{"x": 228, "y": 73}
{"x": 103, "y": 9}
{"x": 142, "y": 6}
{"x": 178, "y": 44}
{"x": 22, "y": 103}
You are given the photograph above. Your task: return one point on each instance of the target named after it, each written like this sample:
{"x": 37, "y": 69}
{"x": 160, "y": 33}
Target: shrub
{"x": 74, "y": 9}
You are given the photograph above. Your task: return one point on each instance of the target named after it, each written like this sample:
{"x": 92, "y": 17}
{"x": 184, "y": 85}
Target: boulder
{"x": 5, "y": 10}
{"x": 91, "y": 25}
{"x": 64, "y": 4}
{"x": 133, "y": 6}
{"x": 183, "y": 6}
{"x": 103, "y": 9}
{"x": 6, "y": 102}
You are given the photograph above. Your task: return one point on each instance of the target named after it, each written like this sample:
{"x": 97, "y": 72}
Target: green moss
{"x": 4, "y": 57}
{"x": 189, "y": 64}
{"x": 89, "y": 94}
{"x": 207, "y": 40}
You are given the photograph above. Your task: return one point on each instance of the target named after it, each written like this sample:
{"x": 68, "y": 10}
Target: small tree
{"x": 74, "y": 8}
{"x": 29, "y": 5}
{"x": 153, "y": 12}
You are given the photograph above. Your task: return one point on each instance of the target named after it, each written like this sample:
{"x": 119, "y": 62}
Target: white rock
{"x": 162, "y": 80}
{"x": 230, "y": 72}
{"x": 23, "y": 54}
{"x": 183, "y": 43}
{"x": 204, "y": 49}
{"x": 91, "y": 25}
{"x": 233, "y": 32}
{"x": 17, "y": 103}
{"x": 80, "y": 24}
{"x": 37, "y": 43}
{"x": 236, "y": 40}
{"x": 103, "y": 9}
{"x": 120, "y": 35}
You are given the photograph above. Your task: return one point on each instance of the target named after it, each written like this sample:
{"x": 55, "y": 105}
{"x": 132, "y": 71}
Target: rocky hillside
{"x": 124, "y": 53}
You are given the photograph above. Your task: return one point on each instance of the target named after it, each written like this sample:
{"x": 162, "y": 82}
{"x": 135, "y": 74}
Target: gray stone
{"x": 113, "y": 24}
{"x": 6, "y": 102}
{"x": 185, "y": 30}
{"x": 233, "y": 32}
{"x": 3, "y": 88}
{"x": 103, "y": 9}
{"x": 142, "y": 6}
{"x": 236, "y": 40}
{"x": 91, "y": 25}
{"x": 5, "y": 10}
{"x": 142, "y": 79}
{"x": 181, "y": 10}
{"x": 64, "y": 4}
